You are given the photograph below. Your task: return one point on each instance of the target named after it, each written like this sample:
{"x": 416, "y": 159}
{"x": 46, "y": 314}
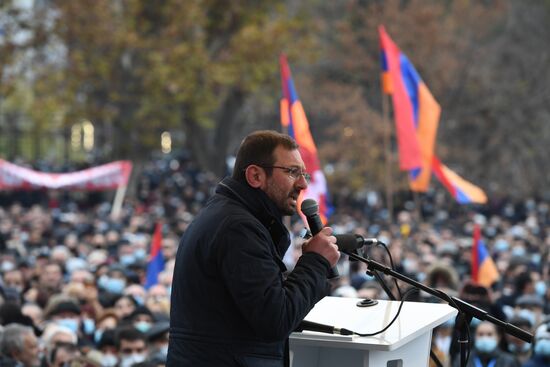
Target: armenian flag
{"x": 155, "y": 264}
{"x": 416, "y": 112}
{"x": 294, "y": 120}
{"x": 463, "y": 191}
{"x": 484, "y": 270}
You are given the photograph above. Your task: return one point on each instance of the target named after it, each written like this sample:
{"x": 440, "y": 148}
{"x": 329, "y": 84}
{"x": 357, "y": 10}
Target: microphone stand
{"x": 466, "y": 311}
{"x": 392, "y": 297}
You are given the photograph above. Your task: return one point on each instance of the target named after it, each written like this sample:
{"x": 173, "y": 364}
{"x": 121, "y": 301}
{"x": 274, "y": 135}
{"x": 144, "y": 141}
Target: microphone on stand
{"x": 352, "y": 242}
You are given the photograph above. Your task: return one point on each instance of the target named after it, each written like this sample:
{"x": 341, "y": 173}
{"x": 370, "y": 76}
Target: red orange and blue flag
{"x": 417, "y": 116}
{"x": 294, "y": 120}
{"x": 463, "y": 191}
{"x": 484, "y": 270}
{"x": 155, "y": 263}
{"x": 416, "y": 112}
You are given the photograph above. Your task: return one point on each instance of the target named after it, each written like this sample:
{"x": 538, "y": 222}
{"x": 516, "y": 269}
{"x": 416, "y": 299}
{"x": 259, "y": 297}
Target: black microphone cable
{"x": 379, "y": 277}
{"x": 313, "y": 326}
{"x": 407, "y": 294}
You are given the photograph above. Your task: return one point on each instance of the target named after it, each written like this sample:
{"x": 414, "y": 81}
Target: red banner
{"x": 105, "y": 177}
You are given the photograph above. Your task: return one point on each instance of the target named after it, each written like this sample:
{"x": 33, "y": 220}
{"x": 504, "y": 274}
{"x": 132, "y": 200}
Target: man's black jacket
{"x": 231, "y": 305}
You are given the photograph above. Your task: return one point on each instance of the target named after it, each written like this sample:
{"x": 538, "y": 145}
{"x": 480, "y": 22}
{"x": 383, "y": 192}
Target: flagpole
{"x": 387, "y": 155}
{"x": 117, "y": 201}
{"x": 417, "y": 210}
{"x": 284, "y": 130}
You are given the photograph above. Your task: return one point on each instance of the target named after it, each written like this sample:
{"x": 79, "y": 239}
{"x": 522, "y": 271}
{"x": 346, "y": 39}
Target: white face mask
{"x": 109, "y": 360}
{"x": 129, "y": 360}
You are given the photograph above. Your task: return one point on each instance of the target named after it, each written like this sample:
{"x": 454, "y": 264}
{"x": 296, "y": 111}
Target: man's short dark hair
{"x": 257, "y": 148}
{"x": 128, "y": 333}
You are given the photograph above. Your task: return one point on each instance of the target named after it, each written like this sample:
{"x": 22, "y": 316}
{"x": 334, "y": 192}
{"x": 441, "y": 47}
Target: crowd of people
{"x": 72, "y": 276}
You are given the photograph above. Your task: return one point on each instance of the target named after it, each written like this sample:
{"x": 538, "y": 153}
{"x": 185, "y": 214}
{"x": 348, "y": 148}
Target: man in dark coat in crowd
{"x": 231, "y": 304}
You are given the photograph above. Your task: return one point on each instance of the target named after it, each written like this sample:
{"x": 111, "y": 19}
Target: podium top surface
{"x": 415, "y": 319}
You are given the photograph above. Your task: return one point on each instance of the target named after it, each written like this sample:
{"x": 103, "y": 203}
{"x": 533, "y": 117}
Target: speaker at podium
{"x": 406, "y": 343}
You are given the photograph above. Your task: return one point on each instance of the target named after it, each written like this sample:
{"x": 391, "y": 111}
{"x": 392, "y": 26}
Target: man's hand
{"x": 324, "y": 244}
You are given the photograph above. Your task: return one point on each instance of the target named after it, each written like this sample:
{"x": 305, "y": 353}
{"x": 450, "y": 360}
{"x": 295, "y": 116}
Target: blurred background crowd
{"x": 72, "y": 276}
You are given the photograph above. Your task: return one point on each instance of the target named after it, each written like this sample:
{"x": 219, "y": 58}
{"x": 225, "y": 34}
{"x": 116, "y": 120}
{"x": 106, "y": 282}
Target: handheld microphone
{"x": 322, "y": 328}
{"x": 311, "y": 211}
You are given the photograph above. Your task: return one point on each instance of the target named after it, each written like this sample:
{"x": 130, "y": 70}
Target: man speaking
{"x": 231, "y": 304}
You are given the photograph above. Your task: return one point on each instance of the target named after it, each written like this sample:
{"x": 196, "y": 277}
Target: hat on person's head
{"x": 64, "y": 307}
{"x": 530, "y": 300}
{"x": 157, "y": 330}
{"x": 141, "y": 310}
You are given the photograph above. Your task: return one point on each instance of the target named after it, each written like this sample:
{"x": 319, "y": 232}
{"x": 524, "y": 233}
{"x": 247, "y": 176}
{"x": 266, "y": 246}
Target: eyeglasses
{"x": 293, "y": 172}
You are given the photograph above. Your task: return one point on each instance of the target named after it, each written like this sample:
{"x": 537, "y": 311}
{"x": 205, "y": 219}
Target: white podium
{"x": 404, "y": 344}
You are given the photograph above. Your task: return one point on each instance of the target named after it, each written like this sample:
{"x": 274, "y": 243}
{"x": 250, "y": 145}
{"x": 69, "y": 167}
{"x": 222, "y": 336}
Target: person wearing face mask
{"x": 481, "y": 297}
{"x": 486, "y": 351}
{"x": 530, "y": 307}
{"x": 142, "y": 319}
{"x": 65, "y": 312}
{"x": 108, "y": 348}
{"x": 131, "y": 346}
{"x": 541, "y": 347}
{"x": 14, "y": 279}
{"x": 516, "y": 346}
{"x": 114, "y": 281}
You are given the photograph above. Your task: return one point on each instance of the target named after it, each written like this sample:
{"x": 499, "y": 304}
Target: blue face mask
{"x": 535, "y": 259}
{"x": 542, "y": 348}
{"x": 114, "y": 285}
{"x": 139, "y": 299}
{"x": 97, "y": 336}
{"x": 540, "y": 288}
{"x": 515, "y": 349}
{"x": 127, "y": 259}
{"x": 486, "y": 344}
{"x": 140, "y": 253}
{"x": 501, "y": 245}
{"x": 88, "y": 325}
{"x": 72, "y": 324}
{"x": 518, "y": 251}
{"x": 143, "y": 326}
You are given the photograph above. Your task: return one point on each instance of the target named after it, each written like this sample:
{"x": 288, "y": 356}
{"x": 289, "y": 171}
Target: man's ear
{"x": 255, "y": 176}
